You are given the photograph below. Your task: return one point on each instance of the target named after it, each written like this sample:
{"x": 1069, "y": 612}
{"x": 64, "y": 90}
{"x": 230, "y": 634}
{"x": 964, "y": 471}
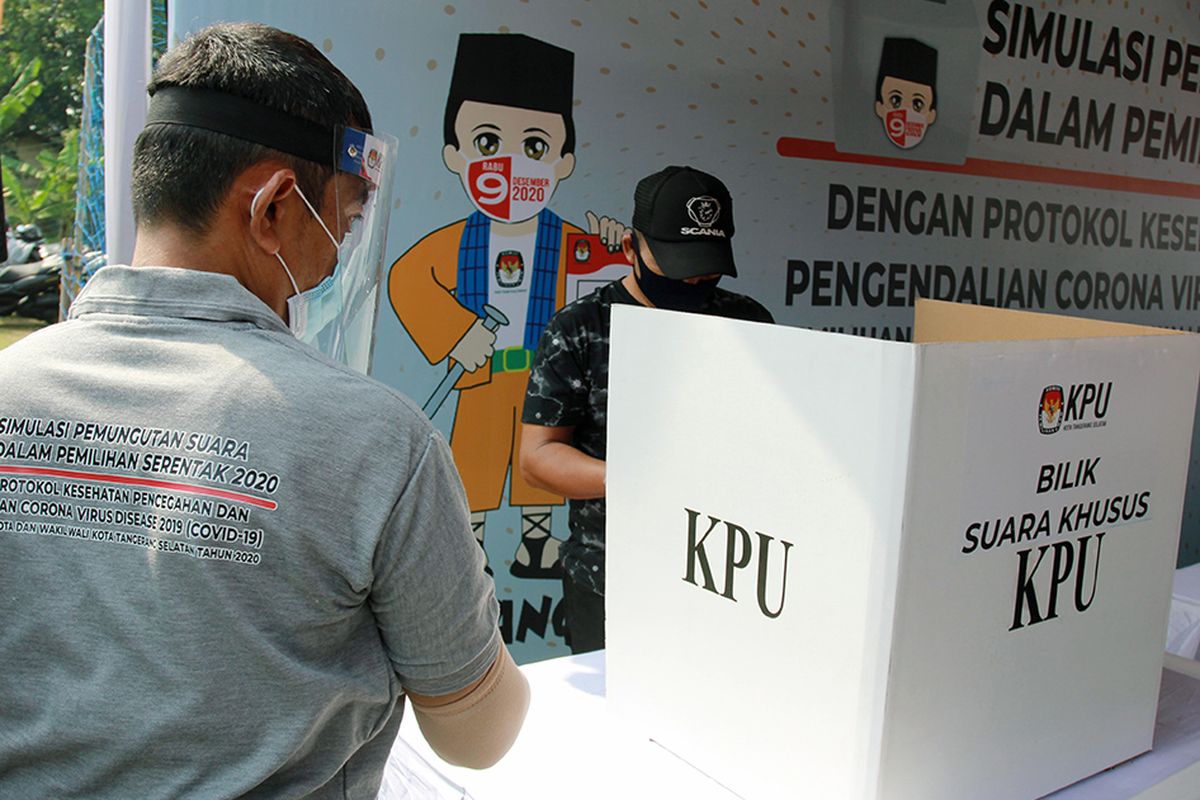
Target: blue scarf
{"x": 473, "y": 266}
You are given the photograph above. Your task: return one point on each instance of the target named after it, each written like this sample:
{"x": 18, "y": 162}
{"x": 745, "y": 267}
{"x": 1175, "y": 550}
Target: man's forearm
{"x": 476, "y": 727}
{"x": 563, "y": 469}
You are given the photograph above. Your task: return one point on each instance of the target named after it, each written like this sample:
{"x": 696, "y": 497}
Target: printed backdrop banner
{"x": 996, "y": 153}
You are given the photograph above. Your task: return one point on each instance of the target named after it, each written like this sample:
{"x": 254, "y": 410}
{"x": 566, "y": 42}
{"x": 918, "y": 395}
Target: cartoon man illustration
{"x": 906, "y": 90}
{"x": 480, "y": 291}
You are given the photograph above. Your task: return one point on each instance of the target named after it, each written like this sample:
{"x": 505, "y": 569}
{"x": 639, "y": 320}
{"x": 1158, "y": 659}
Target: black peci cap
{"x": 907, "y": 60}
{"x": 512, "y": 69}
{"x": 686, "y": 218}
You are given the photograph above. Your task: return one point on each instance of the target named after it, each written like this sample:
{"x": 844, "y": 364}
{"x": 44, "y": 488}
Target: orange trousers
{"x": 486, "y": 441}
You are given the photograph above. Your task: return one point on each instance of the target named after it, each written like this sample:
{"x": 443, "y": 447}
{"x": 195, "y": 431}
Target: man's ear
{"x": 263, "y": 209}
{"x": 931, "y": 116}
{"x": 880, "y": 111}
{"x": 627, "y": 248}
{"x": 453, "y": 159}
{"x": 565, "y": 166}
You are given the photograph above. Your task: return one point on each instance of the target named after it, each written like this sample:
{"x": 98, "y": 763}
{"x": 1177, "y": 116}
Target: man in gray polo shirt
{"x": 224, "y": 558}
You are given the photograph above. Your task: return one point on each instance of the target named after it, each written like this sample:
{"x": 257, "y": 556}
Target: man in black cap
{"x": 510, "y": 137}
{"x": 906, "y": 90}
{"x": 679, "y": 249}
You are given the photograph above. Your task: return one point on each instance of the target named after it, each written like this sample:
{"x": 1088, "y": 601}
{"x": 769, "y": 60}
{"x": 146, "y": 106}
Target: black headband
{"x": 244, "y": 119}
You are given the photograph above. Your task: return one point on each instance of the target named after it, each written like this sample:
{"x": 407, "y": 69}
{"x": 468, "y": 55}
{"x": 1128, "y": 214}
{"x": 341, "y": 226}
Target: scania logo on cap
{"x": 704, "y": 210}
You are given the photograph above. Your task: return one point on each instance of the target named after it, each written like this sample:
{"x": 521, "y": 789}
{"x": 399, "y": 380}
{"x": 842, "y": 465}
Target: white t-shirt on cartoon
{"x": 510, "y": 275}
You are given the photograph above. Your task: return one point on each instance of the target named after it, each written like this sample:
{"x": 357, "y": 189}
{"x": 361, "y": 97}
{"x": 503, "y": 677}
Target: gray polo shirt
{"x": 222, "y": 555}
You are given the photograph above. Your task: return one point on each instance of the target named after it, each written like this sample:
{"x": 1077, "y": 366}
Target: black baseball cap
{"x": 686, "y": 218}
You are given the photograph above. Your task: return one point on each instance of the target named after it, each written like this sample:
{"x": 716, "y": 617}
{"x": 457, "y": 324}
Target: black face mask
{"x": 669, "y": 293}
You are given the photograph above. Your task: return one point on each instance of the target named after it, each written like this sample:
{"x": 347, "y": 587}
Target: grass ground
{"x": 14, "y": 329}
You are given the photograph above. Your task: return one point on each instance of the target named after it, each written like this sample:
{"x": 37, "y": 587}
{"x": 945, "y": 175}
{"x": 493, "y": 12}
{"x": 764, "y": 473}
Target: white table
{"x": 572, "y": 747}
{"x": 1171, "y": 771}
{"x": 1183, "y": 629}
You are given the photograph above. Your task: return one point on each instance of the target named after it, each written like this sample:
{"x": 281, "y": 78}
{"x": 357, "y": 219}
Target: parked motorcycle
{"x": 29, "y": 279}
{"x": 24, "y": 244}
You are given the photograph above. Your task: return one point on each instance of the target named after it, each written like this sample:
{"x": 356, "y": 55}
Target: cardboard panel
{"x": 793, "y": 437}
{"x": 941, "y": 321}
{"x": 1029, "y": 632}
{"x": 980, "y": 540}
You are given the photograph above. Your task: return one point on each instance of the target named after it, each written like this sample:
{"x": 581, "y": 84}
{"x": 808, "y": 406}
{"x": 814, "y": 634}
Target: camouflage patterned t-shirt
{"x": 568, "y": 385}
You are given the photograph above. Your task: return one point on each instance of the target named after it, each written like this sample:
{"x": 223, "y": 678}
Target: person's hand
{"x": 475, "y": 347}
{"x": 608, "y": 229}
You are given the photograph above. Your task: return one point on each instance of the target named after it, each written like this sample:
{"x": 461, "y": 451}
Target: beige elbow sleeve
{"x": 477, "y": 729}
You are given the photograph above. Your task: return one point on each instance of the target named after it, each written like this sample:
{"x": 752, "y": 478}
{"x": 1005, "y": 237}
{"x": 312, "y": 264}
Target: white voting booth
{"x": 848, "y": 568}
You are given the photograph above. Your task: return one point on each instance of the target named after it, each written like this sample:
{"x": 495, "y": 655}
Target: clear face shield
{"x": 337, "y": 316}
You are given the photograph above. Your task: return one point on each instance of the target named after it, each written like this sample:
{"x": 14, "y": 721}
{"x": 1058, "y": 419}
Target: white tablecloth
{"x": 1183, "y": 628}
{"x": 572, "y": 747}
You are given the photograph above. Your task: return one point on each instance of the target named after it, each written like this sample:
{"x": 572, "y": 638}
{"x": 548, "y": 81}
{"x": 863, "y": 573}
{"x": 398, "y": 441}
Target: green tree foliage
{"x": 42, "y": 48}
{"x": 54, "y": 32}
{"x": 44, "y": 191}
{"x": 24, "y": 91}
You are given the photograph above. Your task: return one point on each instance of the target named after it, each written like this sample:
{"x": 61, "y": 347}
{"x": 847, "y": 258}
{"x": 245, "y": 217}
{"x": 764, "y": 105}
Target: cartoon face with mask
{"x": 509, "y": 159}
{"x": 905, "y": 91}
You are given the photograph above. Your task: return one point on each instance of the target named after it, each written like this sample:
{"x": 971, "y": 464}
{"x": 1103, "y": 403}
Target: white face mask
{"x": 509, "y": 188}
{"x": 905, "y": 128}
{"x": 313, "y": 309}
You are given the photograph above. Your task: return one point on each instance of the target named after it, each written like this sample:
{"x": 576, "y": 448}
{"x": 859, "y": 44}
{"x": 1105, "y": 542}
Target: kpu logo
{"x": 1081, "y": 405}
{"x": 1050, "y": 409}
{"x": 510, "y": 269}
{"x": 583, "y": 250}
